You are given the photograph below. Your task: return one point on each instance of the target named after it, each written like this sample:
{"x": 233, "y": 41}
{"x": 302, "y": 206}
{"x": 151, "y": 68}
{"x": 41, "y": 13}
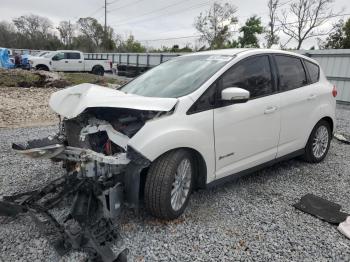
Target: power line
{"x": 124, "y": 6}
{"x": 171, "y": 13}
{"x": 171, "y": 38}
{"x": 154, "y": 11}
{"x": 113, "y": 2}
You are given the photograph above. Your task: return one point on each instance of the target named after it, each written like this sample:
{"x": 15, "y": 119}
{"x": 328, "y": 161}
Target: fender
{"x": 162, "y": 135}
{"x": 321, "y": 111}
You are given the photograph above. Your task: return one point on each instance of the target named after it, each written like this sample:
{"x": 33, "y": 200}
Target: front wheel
{"x": 318, "y": 144}
{"x": 169, "y": 183}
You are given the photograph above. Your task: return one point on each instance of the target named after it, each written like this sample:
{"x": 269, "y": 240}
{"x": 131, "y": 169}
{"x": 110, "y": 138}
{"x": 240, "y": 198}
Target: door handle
{"x": 80, "y": 62}
{"x": 66, "y": 62}
{"x": 312, "y": 97}
{"x": 270, "y": 110}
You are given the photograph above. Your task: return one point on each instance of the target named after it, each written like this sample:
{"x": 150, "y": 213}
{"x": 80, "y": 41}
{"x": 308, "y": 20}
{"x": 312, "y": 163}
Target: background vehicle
{"x": 70, "y": 61}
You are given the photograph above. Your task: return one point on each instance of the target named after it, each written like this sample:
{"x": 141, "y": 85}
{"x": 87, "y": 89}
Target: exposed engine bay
{"x": 102, "y": 176}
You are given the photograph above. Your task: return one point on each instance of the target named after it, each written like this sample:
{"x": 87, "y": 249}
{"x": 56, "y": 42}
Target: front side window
{"x": 314, "y": 71}
{"x": 291, "y": 72}
{"x": 177, "y": 77}
{"x": 252, "y": 74}
{"x": 58, "y": 56}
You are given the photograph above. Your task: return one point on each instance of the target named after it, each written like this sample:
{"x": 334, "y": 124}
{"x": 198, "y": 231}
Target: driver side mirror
{"x": 235, "y": 95}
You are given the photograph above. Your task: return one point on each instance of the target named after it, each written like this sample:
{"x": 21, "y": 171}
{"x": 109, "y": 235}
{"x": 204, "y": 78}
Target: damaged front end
{"x": 102, "y": 176}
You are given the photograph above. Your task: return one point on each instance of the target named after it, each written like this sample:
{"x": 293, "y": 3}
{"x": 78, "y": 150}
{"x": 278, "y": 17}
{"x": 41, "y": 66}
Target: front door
{"x": 247, "y": 134}
{"x": 58, "y": 62}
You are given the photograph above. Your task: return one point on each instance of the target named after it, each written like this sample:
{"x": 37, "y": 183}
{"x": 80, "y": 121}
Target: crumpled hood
{"x": 72, "y": 101}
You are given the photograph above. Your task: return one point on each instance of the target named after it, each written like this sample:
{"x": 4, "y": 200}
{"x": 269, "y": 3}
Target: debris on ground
{"x": 344, "y": 227}
{"x": 345, "y": 138}
{"x": 325, "y": 210}
{"x": 321, "y": 208}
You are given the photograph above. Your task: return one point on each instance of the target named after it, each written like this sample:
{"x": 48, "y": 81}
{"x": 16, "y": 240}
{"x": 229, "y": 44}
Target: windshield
{"x": 43, "y": 54}
{"x": 177, "y": 77}
{"x": 48, "y": 55}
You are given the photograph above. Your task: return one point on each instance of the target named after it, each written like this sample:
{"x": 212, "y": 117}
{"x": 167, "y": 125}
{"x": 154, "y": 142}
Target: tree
{"x": 33, "y": 25}
{"x": 108, "y": 42}
{"x": 7, "y": 34}
{"x": 129, "y": 45}
{"x": 272, "y": 30}
{"x": 92, "y": 29}
{"x": 339, "y": 38}
{"x": 304, "y": 17}
{"x": 251, "y": 28}
{"x": 336, "y": 38}
{"x": 34, "y": 32}
{"x": 67, "y": 31}
{"x": 215, "y": 25}
{"x": 346, "y": 29}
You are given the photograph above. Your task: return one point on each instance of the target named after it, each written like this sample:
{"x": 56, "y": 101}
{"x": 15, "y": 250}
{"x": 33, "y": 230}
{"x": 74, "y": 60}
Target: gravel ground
{"x": 251, "y": 219}
{"x": 25, "y": 107}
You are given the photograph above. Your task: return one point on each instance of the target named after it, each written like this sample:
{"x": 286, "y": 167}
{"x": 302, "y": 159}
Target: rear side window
{"x": 252, "y": 74}
{"x": 314, "y": 71}
{"x": 72, "y": 55}
{"x": 291, "y": 72}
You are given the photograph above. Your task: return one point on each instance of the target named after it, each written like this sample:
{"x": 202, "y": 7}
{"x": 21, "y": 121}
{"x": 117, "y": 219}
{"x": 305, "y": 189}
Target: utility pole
{"x": 105, "y": 33}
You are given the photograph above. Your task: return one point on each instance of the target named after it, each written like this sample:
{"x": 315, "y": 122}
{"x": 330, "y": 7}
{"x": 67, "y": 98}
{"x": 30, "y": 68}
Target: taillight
{"x": 334, "y": 91}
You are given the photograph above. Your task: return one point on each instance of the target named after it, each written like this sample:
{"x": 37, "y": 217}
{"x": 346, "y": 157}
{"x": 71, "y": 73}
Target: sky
{"x": 152, "y": 22}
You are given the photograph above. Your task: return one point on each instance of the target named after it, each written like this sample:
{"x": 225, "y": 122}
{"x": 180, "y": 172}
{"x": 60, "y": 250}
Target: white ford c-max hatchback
{"x": 193, "y": 122}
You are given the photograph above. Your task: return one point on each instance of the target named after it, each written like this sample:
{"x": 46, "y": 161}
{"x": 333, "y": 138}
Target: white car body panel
{"x": 175, "y": 131}
{"x": 72, "y": 101}
{"x": 256, "y": 132}
{"x": 301, "y": 109}
{"x": 246, "y": 134}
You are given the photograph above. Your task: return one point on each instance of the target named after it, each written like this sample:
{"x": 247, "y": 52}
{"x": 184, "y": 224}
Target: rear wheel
{"x": 98, "y": 70}
{"x": 169, "y": 183}
{"x": 318, "y": 144}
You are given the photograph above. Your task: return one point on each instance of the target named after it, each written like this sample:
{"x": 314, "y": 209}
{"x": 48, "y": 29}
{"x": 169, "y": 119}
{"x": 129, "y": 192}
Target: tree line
{"x": 297, "y": 20}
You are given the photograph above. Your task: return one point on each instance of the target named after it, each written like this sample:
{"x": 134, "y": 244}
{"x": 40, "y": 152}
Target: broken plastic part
{"x": 99, "y": 126}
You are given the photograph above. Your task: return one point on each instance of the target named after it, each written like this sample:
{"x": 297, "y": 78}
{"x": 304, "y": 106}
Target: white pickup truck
{"x": 70, "y": 61}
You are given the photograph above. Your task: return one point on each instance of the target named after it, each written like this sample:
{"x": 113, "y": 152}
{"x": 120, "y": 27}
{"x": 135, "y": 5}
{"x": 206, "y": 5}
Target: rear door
{"x": 74, "y": 61}
{"x": 298, "y": 100}
{"x": 247, "y": 134}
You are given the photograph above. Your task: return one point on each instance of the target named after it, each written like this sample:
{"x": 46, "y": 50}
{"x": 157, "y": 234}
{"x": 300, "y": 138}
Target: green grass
{"x": 18, "y": 78}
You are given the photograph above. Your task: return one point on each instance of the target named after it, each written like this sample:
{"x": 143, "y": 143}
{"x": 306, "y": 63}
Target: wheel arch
{"x": 37, "y": 67}
{"x": 200, "y": 179}
{"x": 329, "y": 120}
{"x": 97, "y": 66}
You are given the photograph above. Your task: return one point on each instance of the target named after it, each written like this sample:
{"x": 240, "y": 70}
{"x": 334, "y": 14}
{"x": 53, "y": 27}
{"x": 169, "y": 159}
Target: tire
{"x": 98, "y": 70}
{"x": 160, "y": 183}
{"x": 42, "y": 67}
{"x": 311, "y": 154}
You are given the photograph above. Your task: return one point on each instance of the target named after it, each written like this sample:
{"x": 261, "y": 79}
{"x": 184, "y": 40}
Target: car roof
{"x": 251, "y": 51}
{"x": 76, "y": 51}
